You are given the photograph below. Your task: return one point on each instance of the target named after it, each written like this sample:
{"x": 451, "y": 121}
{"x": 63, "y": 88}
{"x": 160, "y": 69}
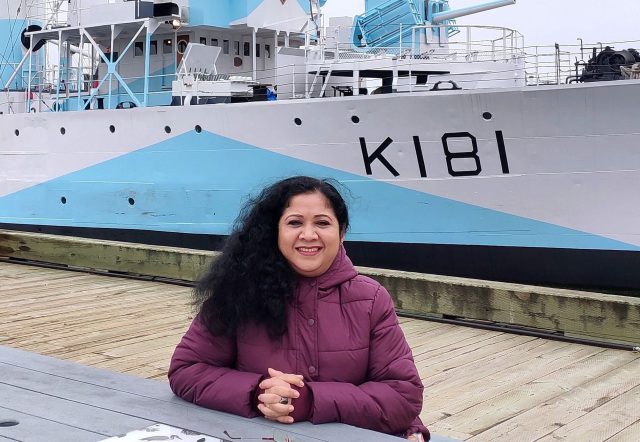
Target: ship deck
{"x": 479, "y": 385}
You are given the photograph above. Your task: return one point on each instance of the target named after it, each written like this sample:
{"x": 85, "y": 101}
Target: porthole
{"x": 355, "y": 119}
{"x": 63, "y": 200}
{"x": 131, "y": 201}
{"x": 487, "y": 116}
{"x": 63, "y": 130}
{"x": 167, "y": 129}
{"x": 112, "y": 129}
{"x": 198, "y": 128}
{"x": 17, "y": 132}
{"x": 298, "y": 121}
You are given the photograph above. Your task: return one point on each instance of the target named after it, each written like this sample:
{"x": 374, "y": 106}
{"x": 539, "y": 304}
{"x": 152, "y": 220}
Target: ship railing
{"x": 48, "y": 13}
{"x": 559, "y": 64}
{"x": 425, "y": 42}
{"x": 548, "y": 65}
{"x": 50, "y": 91}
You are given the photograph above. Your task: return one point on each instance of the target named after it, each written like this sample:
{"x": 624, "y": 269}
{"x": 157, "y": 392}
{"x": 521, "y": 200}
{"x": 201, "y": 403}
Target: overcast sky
{"x": 545, "y": 22}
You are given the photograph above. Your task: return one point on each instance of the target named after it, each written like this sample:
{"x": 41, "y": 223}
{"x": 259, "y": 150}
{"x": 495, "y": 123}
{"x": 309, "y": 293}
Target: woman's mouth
{"x": 308, "y": 251}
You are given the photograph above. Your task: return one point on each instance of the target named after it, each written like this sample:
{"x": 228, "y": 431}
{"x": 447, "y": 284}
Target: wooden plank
{"x": 595, "y": 315}
{"x": 485, "y": 413}
{"x": 26, "y": 397}
{"x": 447, "y": 375}
{"x": 117, "y": 393}
{"x": 503, "y": 379}
{"x": 624, "y": 409}
{"x": 168, "y": 262}
{"x": 34, "y": 428}
{"x": 629, "y": 434}
{"x": 547, "y": 417}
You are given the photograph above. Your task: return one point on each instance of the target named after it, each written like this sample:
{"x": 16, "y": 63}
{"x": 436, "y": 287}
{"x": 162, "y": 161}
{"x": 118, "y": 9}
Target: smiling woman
{"x": 288, "y": 330}
{"x": 309, "y": 234}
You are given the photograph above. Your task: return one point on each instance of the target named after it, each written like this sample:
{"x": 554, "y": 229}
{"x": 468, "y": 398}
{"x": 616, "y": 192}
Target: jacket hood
{"x": 341, "y": 270}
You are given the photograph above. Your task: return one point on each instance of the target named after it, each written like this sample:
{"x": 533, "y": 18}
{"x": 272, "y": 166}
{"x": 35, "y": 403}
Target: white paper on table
{"x": 161, "y": 432}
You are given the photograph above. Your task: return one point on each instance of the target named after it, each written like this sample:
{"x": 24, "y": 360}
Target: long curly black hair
{"x": 252, "y": 282}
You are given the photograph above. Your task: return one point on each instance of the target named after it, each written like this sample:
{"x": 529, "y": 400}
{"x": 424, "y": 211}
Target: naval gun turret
{"x": 387, "y": 23}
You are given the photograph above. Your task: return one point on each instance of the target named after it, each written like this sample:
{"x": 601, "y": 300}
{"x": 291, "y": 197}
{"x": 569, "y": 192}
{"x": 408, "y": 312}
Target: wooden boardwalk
{"x": 479, "y": 385}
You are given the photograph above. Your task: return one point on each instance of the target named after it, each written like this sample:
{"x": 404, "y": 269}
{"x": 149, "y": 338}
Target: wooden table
{"x": 55, "y": 400}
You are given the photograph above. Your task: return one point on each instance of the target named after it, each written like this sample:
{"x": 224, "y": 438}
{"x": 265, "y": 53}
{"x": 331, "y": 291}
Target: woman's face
{"x": 309, "y": 234}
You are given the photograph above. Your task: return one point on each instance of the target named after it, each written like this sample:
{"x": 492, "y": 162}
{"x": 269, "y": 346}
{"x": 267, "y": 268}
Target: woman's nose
{"x": 308, "y": 232}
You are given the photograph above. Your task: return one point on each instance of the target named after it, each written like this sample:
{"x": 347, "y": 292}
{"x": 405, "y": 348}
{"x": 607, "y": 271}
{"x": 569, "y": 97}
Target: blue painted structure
{"x": 11, "y": 51}
{"x": 222, "y": 13}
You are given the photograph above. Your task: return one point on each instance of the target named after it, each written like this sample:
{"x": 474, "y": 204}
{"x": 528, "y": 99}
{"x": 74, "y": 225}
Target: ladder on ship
{"x": 322, "y": 71}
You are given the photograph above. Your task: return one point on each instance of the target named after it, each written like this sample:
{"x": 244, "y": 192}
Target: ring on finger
{"x": 284, "y": 400}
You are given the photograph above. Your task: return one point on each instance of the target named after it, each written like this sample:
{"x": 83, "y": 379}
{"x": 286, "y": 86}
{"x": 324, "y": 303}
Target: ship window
{"x": 167, "y": 46}
{"x": 214, "y": 42}
{"x": 267, "y": 51}
{"x": 138, "y": 50}
{"x": 182, "y": 46}
{"x": 258, "y": 50}
{"x": 153, "y": 48}
{"x": 110, "y": 56}
{"x": 247, "y": 49}
{"x": 236, "y": 47}
{"x": 203, "y": 40}
{"x": 225, "y": 46}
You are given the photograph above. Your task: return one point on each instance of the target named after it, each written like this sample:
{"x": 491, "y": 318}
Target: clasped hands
{"x": 277, "y": 387}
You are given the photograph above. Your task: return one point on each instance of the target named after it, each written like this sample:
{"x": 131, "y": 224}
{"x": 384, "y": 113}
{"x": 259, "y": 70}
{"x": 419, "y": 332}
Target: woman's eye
{"x": 323, "y": 223}
{"x": 294, "y": 223}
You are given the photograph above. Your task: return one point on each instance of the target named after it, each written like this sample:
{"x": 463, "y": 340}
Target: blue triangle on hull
{"x": 196, "y": 183}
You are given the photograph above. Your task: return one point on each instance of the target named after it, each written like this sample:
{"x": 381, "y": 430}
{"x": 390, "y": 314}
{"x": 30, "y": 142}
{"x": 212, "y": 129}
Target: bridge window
{"x": 225, "y": 47}
{"x": 153, "y": 48}
{"x": 138, "y": 50}
{"x": 267, "y": 51}
{"x": 214, "y": 42}
{"x": 167, "y": 46}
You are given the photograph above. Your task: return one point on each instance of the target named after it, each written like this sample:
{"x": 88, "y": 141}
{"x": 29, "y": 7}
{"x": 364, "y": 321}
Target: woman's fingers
{"x": 293, "y": 379}
{"x": 274, "y": 382}
{"x": 276, "y": 411}
{"x": 282, "y": 420}
{"x": 276, "y": 394}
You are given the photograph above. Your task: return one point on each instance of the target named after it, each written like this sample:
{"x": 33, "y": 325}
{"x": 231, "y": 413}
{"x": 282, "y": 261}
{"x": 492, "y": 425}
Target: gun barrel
{"x": 455, "y": 13}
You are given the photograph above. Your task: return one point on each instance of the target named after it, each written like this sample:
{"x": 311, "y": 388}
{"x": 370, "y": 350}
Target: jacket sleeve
{"x": 201, "y": 371}
{"x": 391, "y": 399}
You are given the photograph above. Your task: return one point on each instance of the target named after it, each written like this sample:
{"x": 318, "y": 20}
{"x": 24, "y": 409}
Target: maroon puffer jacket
{"x": 343, "y": 337}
